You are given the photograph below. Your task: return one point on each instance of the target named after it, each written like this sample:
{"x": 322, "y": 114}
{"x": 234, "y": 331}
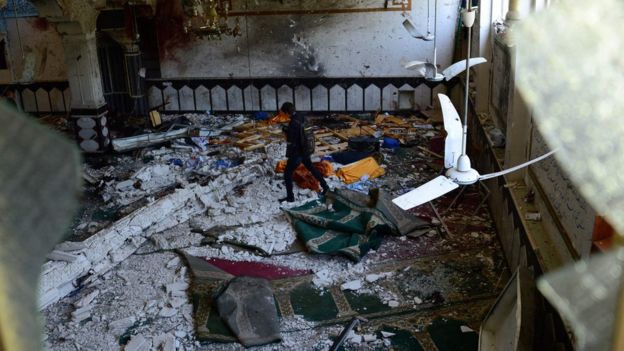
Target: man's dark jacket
{"x": 294, "y": 136}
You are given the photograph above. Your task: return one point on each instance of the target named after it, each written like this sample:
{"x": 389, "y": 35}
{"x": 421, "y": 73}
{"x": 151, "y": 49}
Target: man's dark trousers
{"x": 292, "y": 164}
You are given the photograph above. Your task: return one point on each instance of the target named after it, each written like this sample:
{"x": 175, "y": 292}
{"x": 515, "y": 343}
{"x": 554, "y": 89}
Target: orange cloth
{"x": 303, "y": 177}
{"x": 354, "y": 171}
{"x": 281, "y": 117}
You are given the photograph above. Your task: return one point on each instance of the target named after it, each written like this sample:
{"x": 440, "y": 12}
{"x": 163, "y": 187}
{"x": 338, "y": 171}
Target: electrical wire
{"x": 429, "y": 17}
{"x": 19, "y": 37}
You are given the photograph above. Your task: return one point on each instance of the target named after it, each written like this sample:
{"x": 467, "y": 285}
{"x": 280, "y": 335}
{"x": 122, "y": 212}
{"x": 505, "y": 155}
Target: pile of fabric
{"x": 350, "y": 223}
{"x": 303, "y": 177}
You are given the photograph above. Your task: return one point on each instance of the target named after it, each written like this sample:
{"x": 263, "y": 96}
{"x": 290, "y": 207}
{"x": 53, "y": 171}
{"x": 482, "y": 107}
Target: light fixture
{"x": 209, "y": 19}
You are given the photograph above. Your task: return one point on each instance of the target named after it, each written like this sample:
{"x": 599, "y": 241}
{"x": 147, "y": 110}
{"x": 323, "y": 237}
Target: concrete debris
{"x": 209, "y": 200}
{"x": 177, "y": 302}
{"x": 135, "y": 142}
{"x": 371, "y": 278}
{"x": 175, "y": 262}
{"x": 497, "y": 137}
{"x": 174, "y": 287}
{"x": 353, "y": 337}
{"x": 369, "y": 337}
{"x": 167, "y": 312}
{"x": 121, "y": 325}
{"x": 352, "y": 285}
{"x": 81, "y": 313}
{"x": 533, "y": 216}
{"x": 62, "y": 256}
{"x": 466, "y": 329}
{"x": 138, "y": 343}
{"x": 70, "y": 246}
{"x": 165, "y": 342}
{"x": 322, "y": 278}
{"x": 113, "y": 244}
{"x": 125, "y": 185}
{"x": 87, "y": 300}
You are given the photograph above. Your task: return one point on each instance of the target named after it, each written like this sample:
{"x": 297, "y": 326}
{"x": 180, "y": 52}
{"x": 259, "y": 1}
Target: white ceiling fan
{"x": 459, "y": 170}
{"x": 411, "y": 29}
{"x": 429, "y": 70}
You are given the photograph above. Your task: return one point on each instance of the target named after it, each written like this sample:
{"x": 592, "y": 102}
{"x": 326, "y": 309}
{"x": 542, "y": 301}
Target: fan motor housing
{"x": 466, "y": 177}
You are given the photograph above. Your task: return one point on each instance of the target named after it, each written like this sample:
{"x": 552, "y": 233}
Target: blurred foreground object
{"x": 39, "y": 187}
{"x": 571, "y": 70}
{"x": 586, "y": 295}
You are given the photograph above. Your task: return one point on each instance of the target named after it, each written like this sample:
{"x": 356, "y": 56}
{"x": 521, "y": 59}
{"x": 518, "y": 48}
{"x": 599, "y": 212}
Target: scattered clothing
{"x": 391, "y": 143}
{"x": 304, "y": 178}
{"x": 261, "y": 116}
{"x": 353, "y": 172}
{"x": 280, "y": 117}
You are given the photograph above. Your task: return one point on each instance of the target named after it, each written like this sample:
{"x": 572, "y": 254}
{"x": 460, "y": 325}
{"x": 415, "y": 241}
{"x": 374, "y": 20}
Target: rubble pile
{"x": 212, "y": 196}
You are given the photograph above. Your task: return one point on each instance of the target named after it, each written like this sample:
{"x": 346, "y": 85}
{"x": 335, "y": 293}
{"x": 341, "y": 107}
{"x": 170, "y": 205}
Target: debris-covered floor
{"x": 163, "y": 227}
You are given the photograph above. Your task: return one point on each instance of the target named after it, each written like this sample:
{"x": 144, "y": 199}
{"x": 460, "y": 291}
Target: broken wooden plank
{"x": 323, "y": 134}
{"x": 254, "y": 147}
{"x": 248, "y": 139}
{"x": 430, "y": 152}
{"x": 395, "y": 120}
{"x": 326, "y": 149}
{"x": 369, "y": 130}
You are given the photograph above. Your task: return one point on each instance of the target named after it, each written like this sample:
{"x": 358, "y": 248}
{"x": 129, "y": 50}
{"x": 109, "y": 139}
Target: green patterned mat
{"x": 444, "y": 289}
{"x": 349, "y": 223}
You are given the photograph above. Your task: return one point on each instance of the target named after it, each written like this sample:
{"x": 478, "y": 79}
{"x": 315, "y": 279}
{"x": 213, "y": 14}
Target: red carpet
{"x": 256, "y": 269}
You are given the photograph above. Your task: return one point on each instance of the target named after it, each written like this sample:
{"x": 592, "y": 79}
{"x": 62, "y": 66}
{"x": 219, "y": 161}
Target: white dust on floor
{"x": 134, "y": 296}
{"x": 145, "y": 295}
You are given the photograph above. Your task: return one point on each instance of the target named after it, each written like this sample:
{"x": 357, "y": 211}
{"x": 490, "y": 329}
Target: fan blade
{"x": 515, "y": 168}
{"x": 427, "y": 37}
{"x": 409, "y": 26}
{"x": 453, "y": 127}
{"x": 459, "y": 67}
{"x": 423, "y": 69}
{"x": 413, "y": 65}
{"x": 425, "y": 193}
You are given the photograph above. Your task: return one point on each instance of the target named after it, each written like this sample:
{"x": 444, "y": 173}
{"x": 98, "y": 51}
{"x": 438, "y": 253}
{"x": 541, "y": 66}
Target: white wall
{"x": 369, "y": 44}
{"x": 355, "y": 44}
{"x": 35, "y": 52}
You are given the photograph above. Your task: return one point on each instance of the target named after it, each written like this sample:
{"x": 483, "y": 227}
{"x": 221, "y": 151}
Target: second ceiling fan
{"x": 429, "y": 70}
{"x": 456, "y": 161}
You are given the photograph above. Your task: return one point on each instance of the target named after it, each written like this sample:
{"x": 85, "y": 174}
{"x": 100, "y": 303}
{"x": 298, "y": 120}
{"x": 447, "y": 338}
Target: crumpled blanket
{"x": 303, "y": 178}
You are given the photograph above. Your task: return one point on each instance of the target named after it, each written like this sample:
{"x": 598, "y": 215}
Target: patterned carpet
{"x": 440, "y": 281}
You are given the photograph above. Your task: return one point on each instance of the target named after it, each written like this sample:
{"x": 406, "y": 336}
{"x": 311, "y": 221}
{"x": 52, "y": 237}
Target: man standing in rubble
{"x": 297, "y": 152}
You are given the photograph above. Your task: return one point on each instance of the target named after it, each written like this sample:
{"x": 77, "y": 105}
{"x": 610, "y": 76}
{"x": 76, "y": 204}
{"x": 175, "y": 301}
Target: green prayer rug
{"x": 342, "y": 223}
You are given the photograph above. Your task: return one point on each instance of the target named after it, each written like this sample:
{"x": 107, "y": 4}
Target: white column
{"x": 88, "y": 106}
{"x": 83, "y": 71}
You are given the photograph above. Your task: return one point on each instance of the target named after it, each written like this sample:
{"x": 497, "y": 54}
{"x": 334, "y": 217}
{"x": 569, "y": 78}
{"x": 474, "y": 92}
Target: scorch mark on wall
{"x": 306, "y": 56}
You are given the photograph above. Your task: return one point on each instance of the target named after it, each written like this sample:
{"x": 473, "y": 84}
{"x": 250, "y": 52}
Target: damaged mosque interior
{"x": 439, "y": 175}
